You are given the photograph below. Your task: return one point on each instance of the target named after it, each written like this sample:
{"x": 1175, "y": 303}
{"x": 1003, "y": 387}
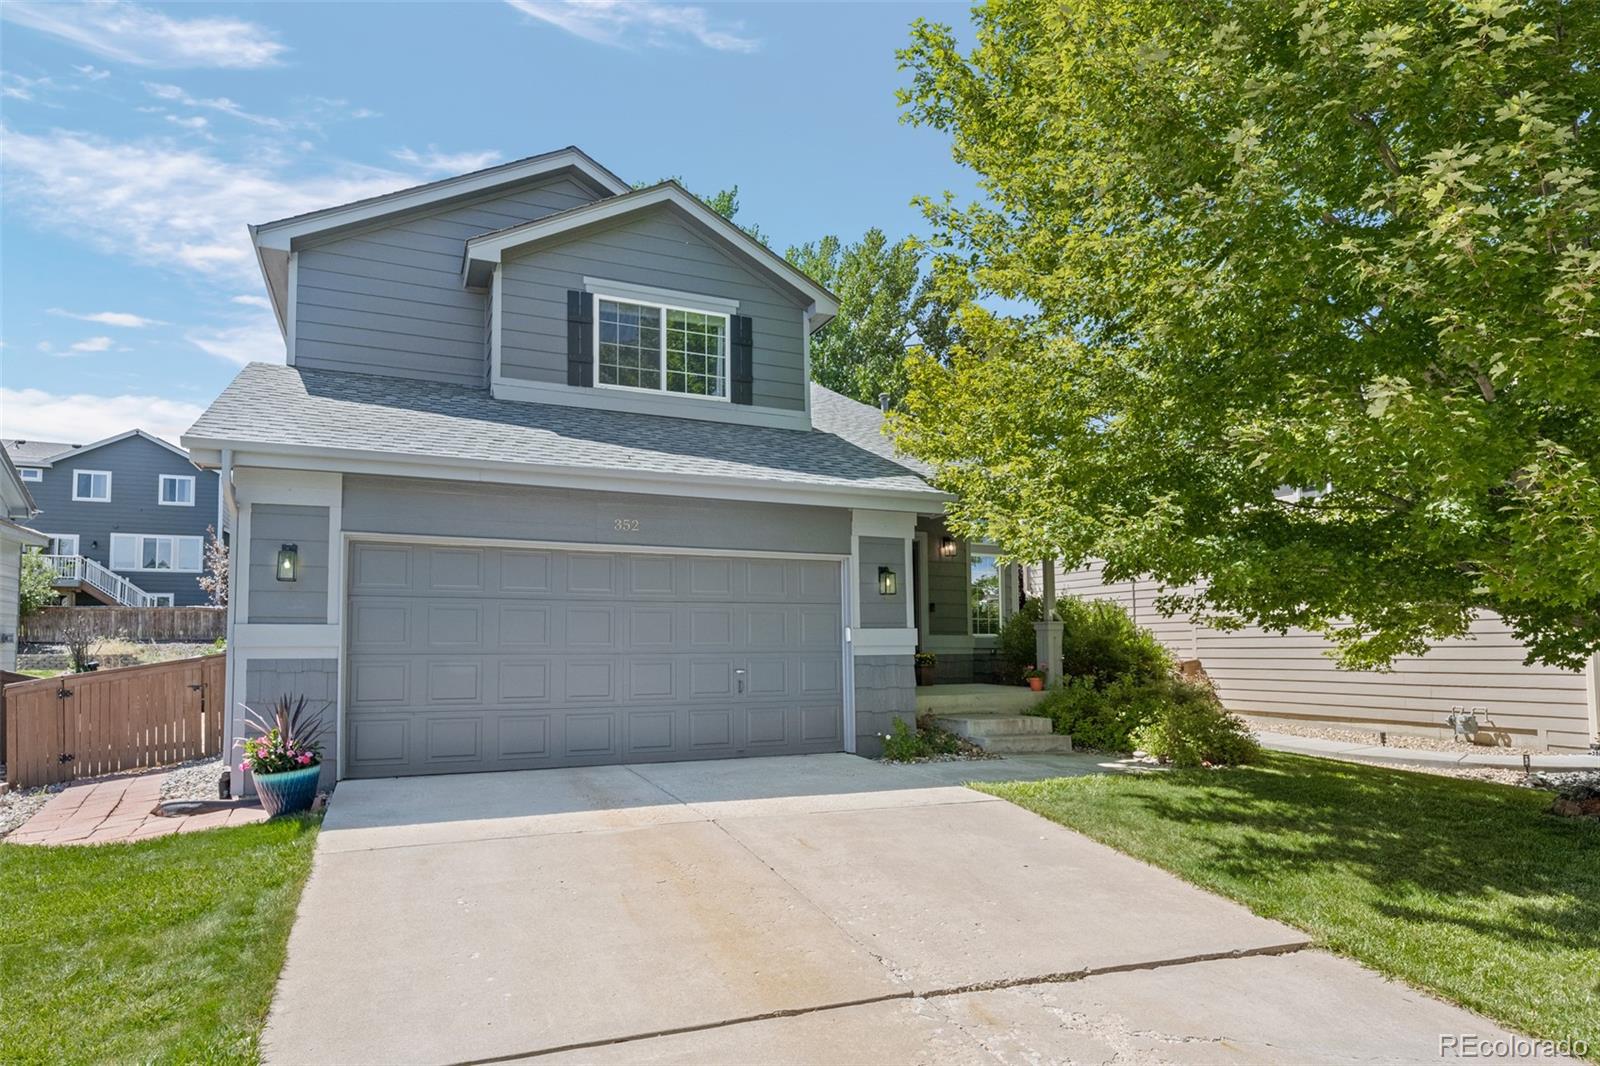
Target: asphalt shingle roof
{"x": 388, "y": 416}
{"x": 23, "y": 452}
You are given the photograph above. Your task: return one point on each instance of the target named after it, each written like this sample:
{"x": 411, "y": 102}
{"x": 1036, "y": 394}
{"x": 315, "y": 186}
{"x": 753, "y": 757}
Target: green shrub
{"x": 1103, "y": 719}
{"x": 1190, "y": 728}
{"x": 901, "y": 744}
{"x": 1100, "y": 642}
{"x": 1017, "y": 646}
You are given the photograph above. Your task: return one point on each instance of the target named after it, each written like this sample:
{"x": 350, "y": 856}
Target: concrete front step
{"x": 1025, "y": 744}
{"x": 959, "y": 700}
{"x": 993, "y": 725}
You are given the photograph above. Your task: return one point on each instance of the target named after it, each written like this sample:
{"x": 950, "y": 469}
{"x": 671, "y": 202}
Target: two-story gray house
{"x": 544, "y": 482}
{"x": 126, "y": 517}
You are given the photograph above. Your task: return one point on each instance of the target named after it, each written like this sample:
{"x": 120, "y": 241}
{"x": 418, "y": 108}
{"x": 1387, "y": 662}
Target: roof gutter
{"x": 359, "y": 461}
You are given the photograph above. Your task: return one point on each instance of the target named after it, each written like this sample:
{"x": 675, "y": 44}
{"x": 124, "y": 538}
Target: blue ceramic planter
{"x": 288, "y": 792}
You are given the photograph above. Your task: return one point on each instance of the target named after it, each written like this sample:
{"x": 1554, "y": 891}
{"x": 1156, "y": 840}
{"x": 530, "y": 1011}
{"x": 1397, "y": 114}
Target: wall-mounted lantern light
{"x": 947, "y": 547}
{"x": 288, "y": 562}
{"x": 888, "y": 581}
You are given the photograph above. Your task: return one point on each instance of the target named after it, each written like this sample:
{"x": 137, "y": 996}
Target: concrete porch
{"x": 994, "y": 717}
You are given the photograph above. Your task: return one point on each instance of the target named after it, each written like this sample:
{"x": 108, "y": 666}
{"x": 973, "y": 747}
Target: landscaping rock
{"x": 1578, "y": 800}
{"x": 195, "y": 780}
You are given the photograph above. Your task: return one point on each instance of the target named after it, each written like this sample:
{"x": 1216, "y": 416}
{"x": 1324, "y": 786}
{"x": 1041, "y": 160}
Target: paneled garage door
{"x": 475, "y": 658}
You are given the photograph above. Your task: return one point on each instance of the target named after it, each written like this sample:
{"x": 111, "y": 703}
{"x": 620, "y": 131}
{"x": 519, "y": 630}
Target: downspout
{"x": 1592, "y": 685}
{"x": 225, "y": 495}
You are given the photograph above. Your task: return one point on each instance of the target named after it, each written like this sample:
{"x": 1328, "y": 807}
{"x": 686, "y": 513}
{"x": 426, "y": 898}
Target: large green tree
{"x": 1347, "y": 248}
{"x": 862, "y": 352}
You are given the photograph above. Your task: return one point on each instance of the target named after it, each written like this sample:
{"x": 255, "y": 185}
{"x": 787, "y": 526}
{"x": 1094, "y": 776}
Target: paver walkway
{"x": 118, "y": 809}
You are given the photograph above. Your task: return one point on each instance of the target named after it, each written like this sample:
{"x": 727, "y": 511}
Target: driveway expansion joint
{"x": 1064, "y": 977}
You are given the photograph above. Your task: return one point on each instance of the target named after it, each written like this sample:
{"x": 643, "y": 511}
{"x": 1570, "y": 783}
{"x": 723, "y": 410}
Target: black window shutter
{"x": 742, "y": 365}
{"x": 580, "y": 338}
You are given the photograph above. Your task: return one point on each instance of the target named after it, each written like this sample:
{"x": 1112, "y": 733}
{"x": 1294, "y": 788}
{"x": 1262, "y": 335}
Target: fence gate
{"x": 86, "y": 725}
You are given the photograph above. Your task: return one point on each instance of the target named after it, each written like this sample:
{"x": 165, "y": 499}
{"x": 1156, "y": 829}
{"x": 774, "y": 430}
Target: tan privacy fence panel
{"x": 86, "y": 725}
{"x": 190, "y": 625}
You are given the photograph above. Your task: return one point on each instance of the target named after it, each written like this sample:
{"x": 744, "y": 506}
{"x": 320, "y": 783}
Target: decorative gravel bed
{"x": 1362, "y": 736}
{"x": 196, "y": 779}
{"x": 17, "y": 807}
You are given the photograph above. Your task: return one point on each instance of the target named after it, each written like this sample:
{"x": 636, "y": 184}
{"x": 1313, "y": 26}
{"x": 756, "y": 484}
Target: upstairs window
{"x": 30, "y": 473}
{"x": 177, "y": 490}
{"x": 93, "y": 486}
{"x": 659, "y": 348}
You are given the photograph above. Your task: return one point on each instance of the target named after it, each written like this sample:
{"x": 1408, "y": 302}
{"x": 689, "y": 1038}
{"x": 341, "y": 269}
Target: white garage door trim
{"x": 349, "y": 539}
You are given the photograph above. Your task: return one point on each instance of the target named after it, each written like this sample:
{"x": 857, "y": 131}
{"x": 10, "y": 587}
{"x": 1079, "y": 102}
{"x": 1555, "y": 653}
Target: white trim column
{"x": 1591, "y": 677}
{"x": 1048, "y": 630}
{"x": 247, "y": 640}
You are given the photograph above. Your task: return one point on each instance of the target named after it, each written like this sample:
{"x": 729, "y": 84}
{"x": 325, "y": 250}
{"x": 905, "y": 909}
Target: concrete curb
{"x": 1504, "y": 759}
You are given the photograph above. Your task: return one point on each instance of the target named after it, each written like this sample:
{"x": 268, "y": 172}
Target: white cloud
{"x": 179, "y": 95}
{"x": 33, "y": 414}
{"x": 622, "y": 23}
{"x": 110, "y": 318}
{"x": 91, "y": 72}
{"x": 21, "y": 87}
{"x": 253, "y": 301}
{"x": 147, "y": 38}
{"x": 434, "y": 161}
{"x": 91, "y": 344}
{"x": 255, "y": 341}
{"x": 167, "y": 205}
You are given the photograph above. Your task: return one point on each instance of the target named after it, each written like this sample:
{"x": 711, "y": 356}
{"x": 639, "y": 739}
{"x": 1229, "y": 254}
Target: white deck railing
{"x": 75, "y": 568}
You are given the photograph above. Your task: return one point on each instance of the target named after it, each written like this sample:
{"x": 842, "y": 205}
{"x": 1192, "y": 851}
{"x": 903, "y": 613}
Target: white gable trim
{"x": 487, "y": 250}
{"x": 73, "y": 453}
{"x": 281, "y": 233}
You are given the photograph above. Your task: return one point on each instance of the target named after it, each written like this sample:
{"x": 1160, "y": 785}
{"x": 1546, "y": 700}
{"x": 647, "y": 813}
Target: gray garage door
{"x": 469, "y": 658}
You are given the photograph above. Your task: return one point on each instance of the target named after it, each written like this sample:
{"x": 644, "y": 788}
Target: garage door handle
{"x": 739, "y": 680}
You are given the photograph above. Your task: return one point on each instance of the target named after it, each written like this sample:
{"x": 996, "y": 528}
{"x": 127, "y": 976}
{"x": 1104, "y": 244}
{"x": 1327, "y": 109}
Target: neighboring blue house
{"x": 126, "y": 517}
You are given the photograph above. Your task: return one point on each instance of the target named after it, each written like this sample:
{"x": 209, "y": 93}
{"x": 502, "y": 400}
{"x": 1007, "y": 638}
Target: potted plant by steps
{"x": 285, "y": 755}
{"x": 925, "y": 661}
{"x": 1034, "y": 677}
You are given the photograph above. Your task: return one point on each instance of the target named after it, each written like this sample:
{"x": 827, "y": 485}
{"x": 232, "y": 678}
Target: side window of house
{"x": 177, "y": 490}
{"x": 91, "y": 485}
{"x": 983, "y": 585}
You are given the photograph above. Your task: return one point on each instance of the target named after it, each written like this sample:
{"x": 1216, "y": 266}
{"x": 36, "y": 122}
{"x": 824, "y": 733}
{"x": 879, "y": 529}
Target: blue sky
{"x": 139, "y": 140}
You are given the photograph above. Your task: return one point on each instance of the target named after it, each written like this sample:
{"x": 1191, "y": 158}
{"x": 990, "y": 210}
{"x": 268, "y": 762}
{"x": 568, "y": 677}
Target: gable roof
{"x": 487, "y": 249}
{"x": 16, "y": 502}
{"x": 360, "y": 420}
{"x": 278, "y": 233}
{"x": 33, "y": 453}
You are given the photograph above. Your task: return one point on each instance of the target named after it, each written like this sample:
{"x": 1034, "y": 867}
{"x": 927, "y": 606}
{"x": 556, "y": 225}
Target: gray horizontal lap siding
{"x": 266, "y": 680}
{"x": 654, "y": 249}
{"x": 136, "y": 466}
{"x": 416, "y": 507}
{"x": 390, "y": 300}
{"x": 305, "y": 599}
{"x": 877, "y": 610}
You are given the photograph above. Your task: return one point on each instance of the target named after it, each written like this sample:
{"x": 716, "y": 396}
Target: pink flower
{"x": 305, "y": 757}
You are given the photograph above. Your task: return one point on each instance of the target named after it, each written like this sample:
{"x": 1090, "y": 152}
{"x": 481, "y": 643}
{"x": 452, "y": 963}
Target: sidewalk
{"x": 118, "y": 809}
{"x": 1477, "y": 758}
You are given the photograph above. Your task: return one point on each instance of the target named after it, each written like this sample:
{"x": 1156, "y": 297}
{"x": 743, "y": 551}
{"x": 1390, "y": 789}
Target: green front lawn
{"x": 1465, "y": 889}
{"x": 164, "y": 950}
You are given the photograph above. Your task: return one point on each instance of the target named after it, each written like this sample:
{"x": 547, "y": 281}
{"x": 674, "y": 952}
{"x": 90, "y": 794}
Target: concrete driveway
{"x": 806, "y": 909}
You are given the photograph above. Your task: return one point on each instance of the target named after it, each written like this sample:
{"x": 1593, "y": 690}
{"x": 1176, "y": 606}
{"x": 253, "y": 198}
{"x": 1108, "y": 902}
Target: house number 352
{"x": 627, "y": 525}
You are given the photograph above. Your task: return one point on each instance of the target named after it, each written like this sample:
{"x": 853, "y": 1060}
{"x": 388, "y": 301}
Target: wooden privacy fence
{"x": 193, "y": 625}
{"x": 85, "y": 725}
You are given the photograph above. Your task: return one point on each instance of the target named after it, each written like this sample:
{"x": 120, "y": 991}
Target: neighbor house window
{"x": 30, "y": 473}
{"x": 162, "y": 599}
{"x": 91, "y": 485}
{"x": 983, "y": 586}
{"x": 63, "y": 544}
{"x": 177, "y": 490}
{"x": 659, "y": 348}
{"x": 137, "y": 551}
